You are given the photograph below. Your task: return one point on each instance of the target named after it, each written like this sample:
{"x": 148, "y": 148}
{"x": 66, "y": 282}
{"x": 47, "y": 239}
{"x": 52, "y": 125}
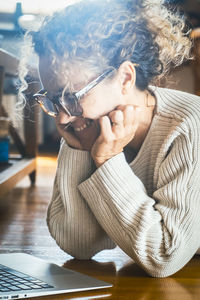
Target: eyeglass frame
{"x": 76, "y": 96}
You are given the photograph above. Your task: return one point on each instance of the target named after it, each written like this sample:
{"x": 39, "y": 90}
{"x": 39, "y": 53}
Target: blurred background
{"x": 18, "y": 16}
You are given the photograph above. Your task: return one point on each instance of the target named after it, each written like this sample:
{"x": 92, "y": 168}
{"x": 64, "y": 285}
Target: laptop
{"x": 23, "y": 275}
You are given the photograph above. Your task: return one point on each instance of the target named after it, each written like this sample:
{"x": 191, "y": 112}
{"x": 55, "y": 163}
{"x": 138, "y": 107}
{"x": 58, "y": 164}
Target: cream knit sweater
{"x": 150, "y": 208}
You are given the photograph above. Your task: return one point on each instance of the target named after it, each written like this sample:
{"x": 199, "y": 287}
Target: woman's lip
{"x": 78, "y": 125}
{"x": 85, "y": 125}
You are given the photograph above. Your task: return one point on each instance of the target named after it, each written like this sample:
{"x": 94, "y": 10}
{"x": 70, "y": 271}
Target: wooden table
{"x": 23, "y": 229}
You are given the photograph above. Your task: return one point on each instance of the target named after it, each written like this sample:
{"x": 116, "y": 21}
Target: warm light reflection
{"x": 46, "y": 169}
{"x": 36, "y": 6}
{"x": 92, "y": 297}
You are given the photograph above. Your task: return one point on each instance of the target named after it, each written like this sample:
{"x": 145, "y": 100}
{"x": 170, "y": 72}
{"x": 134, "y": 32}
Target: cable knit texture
{"x": 150, "y": 208}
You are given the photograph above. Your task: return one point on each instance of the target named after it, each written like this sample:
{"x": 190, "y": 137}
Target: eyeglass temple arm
{"x": 92, "y": 84}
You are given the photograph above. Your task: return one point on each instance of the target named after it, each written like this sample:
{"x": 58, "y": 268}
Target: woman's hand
{"x": 117, "y": 130}
{"x": 81, "y": 134}
{"x": 88, "y": 135}
{"x": 67, "y": 133}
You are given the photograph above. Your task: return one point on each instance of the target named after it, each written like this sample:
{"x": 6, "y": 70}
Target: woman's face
{"x": 99, "y": 101}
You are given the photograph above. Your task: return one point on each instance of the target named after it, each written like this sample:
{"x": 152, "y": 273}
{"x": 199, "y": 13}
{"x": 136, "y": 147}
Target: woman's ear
{"x": 127, "y": 77}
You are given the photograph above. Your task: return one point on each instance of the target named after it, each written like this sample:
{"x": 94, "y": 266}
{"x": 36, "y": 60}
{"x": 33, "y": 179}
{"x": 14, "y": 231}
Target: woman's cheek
{"x": 92, "y": 109}
{"x": 96, "y": 108}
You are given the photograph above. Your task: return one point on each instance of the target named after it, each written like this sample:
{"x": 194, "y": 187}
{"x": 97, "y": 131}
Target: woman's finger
{"x": 106, "y": 130}
{"x": 69, "y": 137}
{"x": 117, "y": 118}
{"x": 128, "y": 115}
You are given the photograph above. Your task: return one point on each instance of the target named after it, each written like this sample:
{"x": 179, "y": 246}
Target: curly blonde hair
{"x": 105, "y": 33}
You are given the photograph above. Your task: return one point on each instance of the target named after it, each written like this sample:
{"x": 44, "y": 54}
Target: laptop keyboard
{"x": 12, "y": 280}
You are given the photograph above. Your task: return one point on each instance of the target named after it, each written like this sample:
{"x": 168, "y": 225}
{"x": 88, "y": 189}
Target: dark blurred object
{"x": 11, "y": 85}
{"x": 194, "y": 19}
{"x": 1, "y": 39}
{"x": 189, "y": 8}
{"x": 9, "y": 21}
{"x": 4, "y": 139}
{"x": 18, "y": 13}
{"x": 18, "y": 22}
{"x": 195, "y": 35}
{"x": 174, "y": 1}
{"x": 4, "y": 126}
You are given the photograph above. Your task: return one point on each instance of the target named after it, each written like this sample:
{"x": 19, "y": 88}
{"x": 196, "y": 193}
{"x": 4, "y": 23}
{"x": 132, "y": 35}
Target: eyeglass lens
{"x": 72, "y": 104}
{"x": 49, "y": 106}
{"x": 69, "y": 104}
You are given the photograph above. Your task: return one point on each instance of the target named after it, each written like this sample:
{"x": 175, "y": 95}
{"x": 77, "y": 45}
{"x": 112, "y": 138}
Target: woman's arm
{"x": 70, "y": 220}
{"x": 161, "y": 232}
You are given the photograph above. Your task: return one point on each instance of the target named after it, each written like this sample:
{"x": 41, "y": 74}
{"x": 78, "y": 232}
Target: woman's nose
{"x": 64, "y": 118}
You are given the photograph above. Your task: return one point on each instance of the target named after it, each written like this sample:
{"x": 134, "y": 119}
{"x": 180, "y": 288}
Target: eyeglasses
{"x": 69, "y": 102}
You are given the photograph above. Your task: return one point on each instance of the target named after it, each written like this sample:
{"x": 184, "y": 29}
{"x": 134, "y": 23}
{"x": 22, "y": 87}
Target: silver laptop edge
{"x": 62, "y": 279}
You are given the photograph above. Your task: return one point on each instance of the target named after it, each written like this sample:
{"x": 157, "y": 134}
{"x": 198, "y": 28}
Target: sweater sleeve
{"x": 70, "y": 220}
{"x": 161, "y": 232}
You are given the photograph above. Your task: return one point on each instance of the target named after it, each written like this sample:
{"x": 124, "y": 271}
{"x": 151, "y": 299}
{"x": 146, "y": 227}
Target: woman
{"x": 129, "y": 158}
